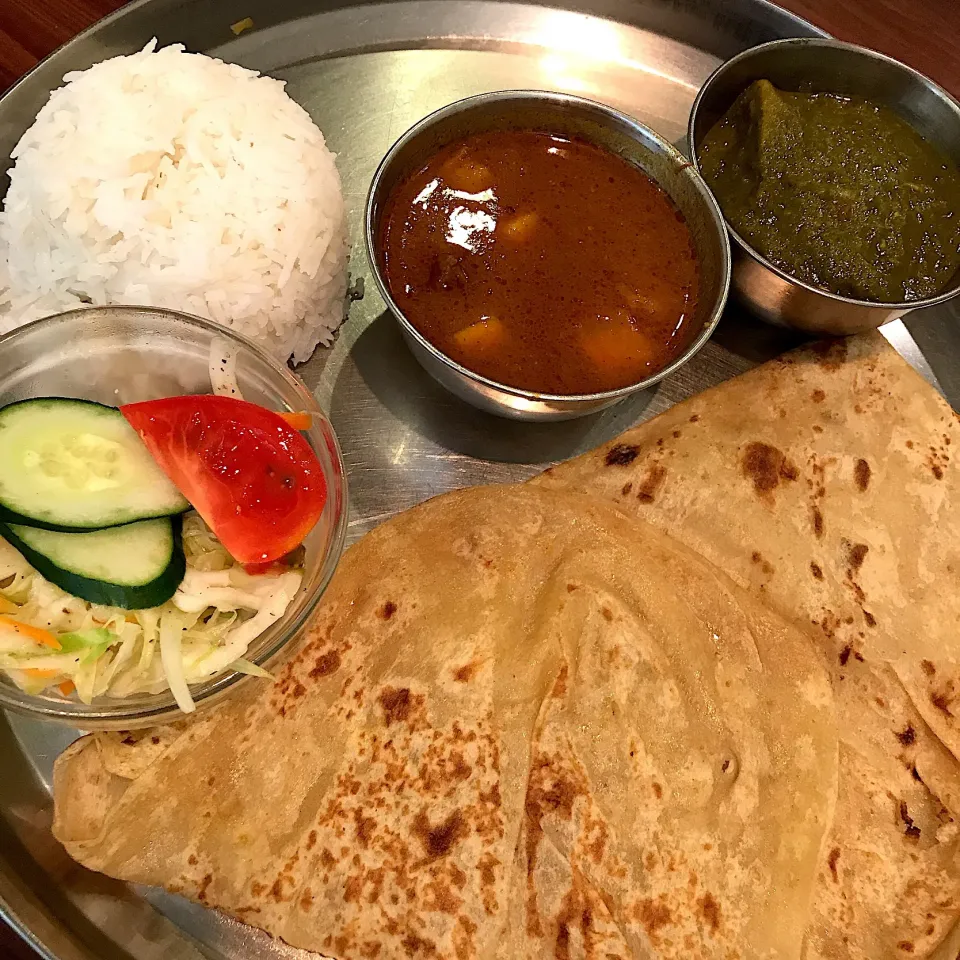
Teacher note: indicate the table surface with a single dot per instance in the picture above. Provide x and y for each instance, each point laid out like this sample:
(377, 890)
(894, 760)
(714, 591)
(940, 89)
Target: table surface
(923, 33)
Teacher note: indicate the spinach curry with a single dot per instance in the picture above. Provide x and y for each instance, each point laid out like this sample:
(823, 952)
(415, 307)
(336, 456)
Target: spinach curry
(836, 191)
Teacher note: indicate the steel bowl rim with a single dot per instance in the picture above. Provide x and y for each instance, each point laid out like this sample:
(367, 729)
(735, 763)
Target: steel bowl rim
(903, 306)
(675, 156)
(112, 714)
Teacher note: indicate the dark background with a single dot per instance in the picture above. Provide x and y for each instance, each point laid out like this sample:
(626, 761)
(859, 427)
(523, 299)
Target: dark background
(923, 33)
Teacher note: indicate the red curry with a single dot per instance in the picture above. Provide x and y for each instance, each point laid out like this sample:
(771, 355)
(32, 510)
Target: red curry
(542, 262)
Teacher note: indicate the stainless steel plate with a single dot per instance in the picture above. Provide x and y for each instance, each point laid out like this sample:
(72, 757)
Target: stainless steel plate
(366, 72)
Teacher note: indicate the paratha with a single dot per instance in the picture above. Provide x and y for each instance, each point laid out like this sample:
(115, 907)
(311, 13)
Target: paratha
(825, 482)
(522, 725)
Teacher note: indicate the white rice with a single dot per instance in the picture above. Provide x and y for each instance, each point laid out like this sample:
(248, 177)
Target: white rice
(172, 179)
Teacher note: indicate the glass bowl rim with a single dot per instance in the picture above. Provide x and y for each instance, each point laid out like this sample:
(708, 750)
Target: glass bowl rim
(106, 714)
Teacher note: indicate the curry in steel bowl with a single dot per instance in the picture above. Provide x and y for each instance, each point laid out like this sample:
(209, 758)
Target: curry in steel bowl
(542, 261)
(838, 191)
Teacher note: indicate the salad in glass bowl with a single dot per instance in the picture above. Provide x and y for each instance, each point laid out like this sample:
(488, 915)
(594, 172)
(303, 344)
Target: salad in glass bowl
(154, 549)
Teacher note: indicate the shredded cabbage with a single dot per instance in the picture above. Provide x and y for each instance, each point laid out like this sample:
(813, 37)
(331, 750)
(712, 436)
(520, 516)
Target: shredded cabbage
(203, 630)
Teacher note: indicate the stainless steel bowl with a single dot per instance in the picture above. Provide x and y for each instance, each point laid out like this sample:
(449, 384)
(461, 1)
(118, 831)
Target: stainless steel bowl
(823, 66)
(568, 116)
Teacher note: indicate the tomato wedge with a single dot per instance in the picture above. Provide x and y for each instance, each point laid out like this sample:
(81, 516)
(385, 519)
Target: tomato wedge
(252, 477)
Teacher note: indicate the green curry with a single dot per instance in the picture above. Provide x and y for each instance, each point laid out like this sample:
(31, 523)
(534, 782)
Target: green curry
(836, 191)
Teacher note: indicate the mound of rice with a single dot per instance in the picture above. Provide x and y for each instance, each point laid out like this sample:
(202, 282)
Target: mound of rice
(172, 179)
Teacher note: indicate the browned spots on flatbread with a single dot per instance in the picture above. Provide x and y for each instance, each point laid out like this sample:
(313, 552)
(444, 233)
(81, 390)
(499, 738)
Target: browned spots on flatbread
(599, 842)
(396, 704)
(442, 899)
(607, 614)
(870, 619)
(928, 668)
(571, 587)
(192, 860)
(461, 770)
(765, 466)
(596, 847)
(906, 946)
(325, 664)
(910, 831)
(352, 889)
(365, 827)
(830, 354)
(388, 610)
(487, 867)
(622, 455)
(312, 840)
(654, 915)
(657, 790)
(573, 912)
(818, 396)
(856, 554)
(861, 474)
(845, 654)
(439, 840)
(829, 624)
(937, 460)
(626, 488)
(940, 701)
(695, 418)
(327, 859)
(710, 910)
(651, 483)
(909, 444)
(467, 672)
(816, 570)
(676, 434)
(202, 889)
(414, 946)
(832, 863)
(549, 790)
(907, 736)
(241, 911)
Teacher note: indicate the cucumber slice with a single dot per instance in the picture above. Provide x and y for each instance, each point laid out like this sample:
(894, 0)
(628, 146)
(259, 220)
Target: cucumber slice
(77, 465)
(135, 566)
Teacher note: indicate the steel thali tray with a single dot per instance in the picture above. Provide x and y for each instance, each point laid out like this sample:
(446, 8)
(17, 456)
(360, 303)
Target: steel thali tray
(366, 72)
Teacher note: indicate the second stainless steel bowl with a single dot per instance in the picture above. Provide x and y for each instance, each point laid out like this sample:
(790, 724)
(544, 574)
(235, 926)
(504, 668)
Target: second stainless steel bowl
(566, 116)
(820, 65)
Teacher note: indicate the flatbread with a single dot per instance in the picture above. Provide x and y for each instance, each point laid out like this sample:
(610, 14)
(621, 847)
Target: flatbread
(824, 482)
(522, 725)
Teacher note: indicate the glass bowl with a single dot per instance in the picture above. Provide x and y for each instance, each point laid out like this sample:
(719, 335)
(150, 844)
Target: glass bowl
(118, 355)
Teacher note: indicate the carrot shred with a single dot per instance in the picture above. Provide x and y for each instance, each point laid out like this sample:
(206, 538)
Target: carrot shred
(34, 674)
(298, 420)
(67, 687)
(37, 634)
